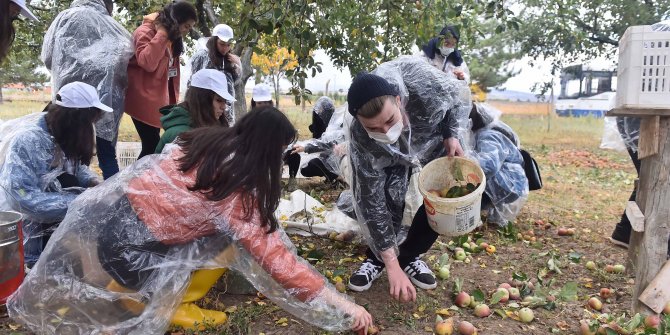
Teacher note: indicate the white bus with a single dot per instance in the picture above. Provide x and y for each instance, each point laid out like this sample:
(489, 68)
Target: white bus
(586, 91)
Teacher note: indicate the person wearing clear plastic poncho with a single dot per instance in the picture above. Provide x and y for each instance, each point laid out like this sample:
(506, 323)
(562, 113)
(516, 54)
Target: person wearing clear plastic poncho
(218, 55)
(629, 128)
(442, 53)
(84, 43)
(43, 166)
(496, 148)
(327, 131)
(406, 113)
(121, 262)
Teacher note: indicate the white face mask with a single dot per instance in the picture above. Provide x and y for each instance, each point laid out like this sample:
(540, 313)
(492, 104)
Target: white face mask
(446, 51)
(390, 137)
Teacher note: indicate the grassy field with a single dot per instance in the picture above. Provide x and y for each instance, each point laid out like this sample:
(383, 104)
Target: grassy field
(532, 124)
(17, 108)
(585, 188)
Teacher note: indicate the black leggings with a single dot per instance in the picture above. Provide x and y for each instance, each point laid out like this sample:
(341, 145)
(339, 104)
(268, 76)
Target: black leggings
(419, 240)
(149, 135)
(316, 168)
(293, 162)
(130, 254)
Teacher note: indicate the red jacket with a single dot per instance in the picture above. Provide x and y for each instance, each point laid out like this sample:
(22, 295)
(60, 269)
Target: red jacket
(175, 215)
(148, 74)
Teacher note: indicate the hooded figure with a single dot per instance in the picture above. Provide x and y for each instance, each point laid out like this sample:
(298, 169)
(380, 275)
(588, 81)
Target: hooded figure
(496, 148)
(84, 43)
(327, 131)
(442, 52)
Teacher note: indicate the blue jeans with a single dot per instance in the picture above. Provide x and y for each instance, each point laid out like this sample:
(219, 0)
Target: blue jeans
(35, 238)
(106, 157)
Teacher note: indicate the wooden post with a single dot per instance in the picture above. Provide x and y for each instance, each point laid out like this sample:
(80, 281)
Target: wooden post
(650, 248)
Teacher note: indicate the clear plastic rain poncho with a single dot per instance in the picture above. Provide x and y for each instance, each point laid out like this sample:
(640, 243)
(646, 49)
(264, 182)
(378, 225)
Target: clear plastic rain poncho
(496, 148)
(29, 167)
(322, 148)
(436, 107)
(121, 259)
(84, 43)
(200, 60)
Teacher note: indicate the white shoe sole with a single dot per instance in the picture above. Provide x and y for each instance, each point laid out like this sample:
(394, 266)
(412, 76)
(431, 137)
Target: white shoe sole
(363, 288)
(422, 285)
(619, 243)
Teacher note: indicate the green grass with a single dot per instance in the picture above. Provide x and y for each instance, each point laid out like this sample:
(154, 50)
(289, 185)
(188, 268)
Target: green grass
(561, 131)
(14, 109)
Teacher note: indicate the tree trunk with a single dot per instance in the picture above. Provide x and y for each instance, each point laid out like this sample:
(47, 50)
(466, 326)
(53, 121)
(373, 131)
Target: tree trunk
(247, 71)
(1, 99)
(275, 83)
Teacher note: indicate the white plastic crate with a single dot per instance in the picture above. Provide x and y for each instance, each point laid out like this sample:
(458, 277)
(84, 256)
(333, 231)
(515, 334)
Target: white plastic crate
(127, 152)
(644, 69)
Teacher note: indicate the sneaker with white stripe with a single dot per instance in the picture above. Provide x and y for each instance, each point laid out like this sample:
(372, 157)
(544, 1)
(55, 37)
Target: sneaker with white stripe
(420, 274)
(362, 279)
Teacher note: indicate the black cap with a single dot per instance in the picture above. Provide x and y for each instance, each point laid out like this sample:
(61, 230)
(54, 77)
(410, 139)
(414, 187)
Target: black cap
(365, 87)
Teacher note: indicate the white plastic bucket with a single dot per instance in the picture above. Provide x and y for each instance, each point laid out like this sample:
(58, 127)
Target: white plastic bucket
(452, 216)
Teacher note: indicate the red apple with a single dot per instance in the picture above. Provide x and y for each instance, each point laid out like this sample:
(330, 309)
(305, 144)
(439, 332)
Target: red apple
(463, 299)
(605, 293)
(505, 298)
(466, 328)
(505, 286)
(482, 311)
(652, 321)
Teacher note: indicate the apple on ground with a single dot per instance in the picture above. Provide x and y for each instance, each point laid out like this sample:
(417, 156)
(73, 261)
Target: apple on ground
(652, 321)
(482, 310)
(526, 315)
(466, 328)
(595, 303)
(463, 299)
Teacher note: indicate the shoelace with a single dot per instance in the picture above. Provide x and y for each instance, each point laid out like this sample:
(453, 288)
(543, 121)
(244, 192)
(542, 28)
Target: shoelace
(420, 266)
(367, 269)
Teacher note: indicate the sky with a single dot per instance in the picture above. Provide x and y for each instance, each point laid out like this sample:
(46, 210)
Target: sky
(522, 82)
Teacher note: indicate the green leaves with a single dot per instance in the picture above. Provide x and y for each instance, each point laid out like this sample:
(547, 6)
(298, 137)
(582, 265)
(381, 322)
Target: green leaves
(568, 292)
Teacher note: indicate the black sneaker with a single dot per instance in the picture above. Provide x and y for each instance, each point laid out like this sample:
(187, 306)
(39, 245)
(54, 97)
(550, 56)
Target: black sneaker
(621, 234)
(366, 274)
(420, 274)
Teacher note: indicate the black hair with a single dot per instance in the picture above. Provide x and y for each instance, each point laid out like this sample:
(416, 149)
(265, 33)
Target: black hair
(219, 61)
(198, 103)
(246, 158)
(173, 15)
(72, 128)
(7, 30)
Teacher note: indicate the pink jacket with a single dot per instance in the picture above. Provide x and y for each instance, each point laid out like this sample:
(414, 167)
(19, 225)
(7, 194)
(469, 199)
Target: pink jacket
(148, 74)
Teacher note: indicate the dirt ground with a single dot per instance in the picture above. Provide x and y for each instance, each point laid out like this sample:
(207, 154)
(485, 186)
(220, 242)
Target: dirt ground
(585, 188)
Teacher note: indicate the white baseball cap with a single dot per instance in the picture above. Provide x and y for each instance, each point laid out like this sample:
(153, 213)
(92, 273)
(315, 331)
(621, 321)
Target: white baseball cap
(213, 80)
(80, 95)
(24, 9)
(224, 32)
(261, 93)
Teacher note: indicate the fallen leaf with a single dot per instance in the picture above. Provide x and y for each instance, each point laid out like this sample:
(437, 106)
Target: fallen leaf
(443, 312)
